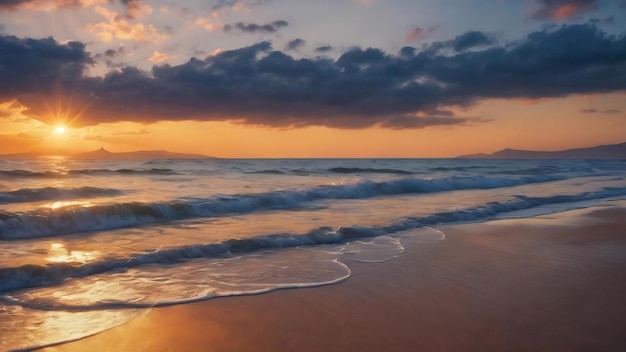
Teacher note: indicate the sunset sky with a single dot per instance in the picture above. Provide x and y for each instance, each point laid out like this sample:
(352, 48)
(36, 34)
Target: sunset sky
(296, 78)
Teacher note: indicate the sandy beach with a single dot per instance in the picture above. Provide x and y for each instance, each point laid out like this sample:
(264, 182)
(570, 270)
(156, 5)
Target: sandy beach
(550, 283)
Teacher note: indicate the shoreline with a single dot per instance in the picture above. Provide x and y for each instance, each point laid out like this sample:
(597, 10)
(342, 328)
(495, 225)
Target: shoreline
(552, 282)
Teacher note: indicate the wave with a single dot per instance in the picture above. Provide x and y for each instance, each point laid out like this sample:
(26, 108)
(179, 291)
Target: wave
(152, 171)
(458, 168)
(54, 193)
(52, 222)
(40, 275)
(332, 170)
(31, 174)
(82, 172)
(358, 170)
(267, 172)
(546, 170)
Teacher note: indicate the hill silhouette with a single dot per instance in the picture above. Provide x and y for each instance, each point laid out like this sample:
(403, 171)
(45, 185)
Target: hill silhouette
(140, 154)
(610, 151)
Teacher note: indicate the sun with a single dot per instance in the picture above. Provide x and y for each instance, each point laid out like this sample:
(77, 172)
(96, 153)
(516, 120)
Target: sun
(59, 130)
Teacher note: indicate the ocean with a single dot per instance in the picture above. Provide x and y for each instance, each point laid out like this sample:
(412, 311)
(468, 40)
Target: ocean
(90, 244)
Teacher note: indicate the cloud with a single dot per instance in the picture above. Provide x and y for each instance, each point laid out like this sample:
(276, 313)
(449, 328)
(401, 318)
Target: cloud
(608, 20)
(464, 42)
(11, 5)
(294, 44)
(123, 27)
(209, 24)
(28, 65)
(596, 111)
(224, 3)
(109, 55)
(416, 34)
(562, 9)
(471, 40)
(135, 8)
(323, 49)
(237, 4)
(256, 28)
(158, 57)
(15, 5)
(362, 88)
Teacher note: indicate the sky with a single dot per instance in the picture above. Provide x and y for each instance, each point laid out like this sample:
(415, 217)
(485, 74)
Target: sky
(296, 78)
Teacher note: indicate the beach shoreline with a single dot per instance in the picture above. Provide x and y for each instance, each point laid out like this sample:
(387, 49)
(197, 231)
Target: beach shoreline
(553, 282)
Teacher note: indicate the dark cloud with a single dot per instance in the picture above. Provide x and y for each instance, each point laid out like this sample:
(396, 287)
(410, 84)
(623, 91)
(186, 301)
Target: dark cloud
(10, 5)
(562, 9)
(464, 42)
(256, 28)
(223, 3)
(596, 111)
(362, 88)
(323, 49)
(407, 51)
(13, 5)
(471, 40)
(29, 65)
(294, 44)
(220, 4)
(608, 20)
(109, 55)
(406, 122)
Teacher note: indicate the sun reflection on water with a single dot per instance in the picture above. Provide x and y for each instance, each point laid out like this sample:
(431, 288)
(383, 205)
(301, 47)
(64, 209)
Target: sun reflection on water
(58, 253)
(67, 203)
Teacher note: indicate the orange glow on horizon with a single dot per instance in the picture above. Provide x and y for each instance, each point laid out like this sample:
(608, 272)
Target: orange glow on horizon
(499, 124)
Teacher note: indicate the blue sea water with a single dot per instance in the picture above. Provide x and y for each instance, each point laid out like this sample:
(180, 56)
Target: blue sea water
(89, 244)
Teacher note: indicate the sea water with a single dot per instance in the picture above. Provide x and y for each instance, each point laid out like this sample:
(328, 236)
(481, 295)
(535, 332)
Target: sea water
(89, 244)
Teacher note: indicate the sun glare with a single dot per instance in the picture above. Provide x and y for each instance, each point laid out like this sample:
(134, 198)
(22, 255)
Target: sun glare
(59, 130)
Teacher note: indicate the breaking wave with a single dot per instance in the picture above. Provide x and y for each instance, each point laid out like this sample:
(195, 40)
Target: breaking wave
(70, 219)
(54, 193)
(40, 275)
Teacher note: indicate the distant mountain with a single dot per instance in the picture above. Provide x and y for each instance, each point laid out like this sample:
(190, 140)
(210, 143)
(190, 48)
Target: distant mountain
(105, 154)
(141, 154)
(611, 151)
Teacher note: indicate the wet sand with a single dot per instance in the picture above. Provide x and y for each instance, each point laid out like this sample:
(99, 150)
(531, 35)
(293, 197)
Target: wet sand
(552, 283)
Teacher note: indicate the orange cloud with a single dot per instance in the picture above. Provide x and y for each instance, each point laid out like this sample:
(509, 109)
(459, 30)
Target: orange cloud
(208, 24)
(562, 9)
(238, 6)
(121, 27)
(158, 57)
(136, 8)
